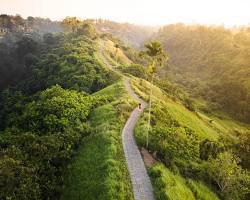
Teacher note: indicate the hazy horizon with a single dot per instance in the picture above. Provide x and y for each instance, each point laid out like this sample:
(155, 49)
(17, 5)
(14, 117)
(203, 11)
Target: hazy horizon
(159, 12)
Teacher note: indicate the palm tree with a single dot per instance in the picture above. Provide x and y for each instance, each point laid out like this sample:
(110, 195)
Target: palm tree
(156, 56)
(117, 46)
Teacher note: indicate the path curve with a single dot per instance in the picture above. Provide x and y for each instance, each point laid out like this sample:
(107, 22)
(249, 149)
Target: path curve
(142, 187)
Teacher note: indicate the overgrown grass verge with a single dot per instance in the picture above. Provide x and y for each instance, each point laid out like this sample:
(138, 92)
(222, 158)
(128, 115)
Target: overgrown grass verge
(169, 186)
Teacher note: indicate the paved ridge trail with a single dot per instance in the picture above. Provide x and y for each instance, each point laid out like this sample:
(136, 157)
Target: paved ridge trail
(142, 187)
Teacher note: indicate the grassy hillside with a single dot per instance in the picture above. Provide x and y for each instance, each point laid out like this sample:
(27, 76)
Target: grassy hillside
(176, 110)
(186, 142)
(174, 187)
(114, 53)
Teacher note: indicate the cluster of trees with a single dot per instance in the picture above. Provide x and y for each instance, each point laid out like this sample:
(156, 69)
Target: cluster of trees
(39, 141)
(85, 27)
(9, 23)
(72, 65)
(42, 123)
(211, 62)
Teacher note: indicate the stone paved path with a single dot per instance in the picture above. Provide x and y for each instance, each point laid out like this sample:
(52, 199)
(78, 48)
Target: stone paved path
(142, 187)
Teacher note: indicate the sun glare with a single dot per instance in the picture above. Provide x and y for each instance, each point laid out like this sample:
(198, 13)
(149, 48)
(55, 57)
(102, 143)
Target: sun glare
(148, 12)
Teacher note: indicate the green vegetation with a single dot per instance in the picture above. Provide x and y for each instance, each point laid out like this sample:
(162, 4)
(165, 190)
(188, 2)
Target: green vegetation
(72, 65)
(39, 142)
(112, 49)
(135, 70)
(187, 144)
(232, 180)
(99, 166)
(173, 187)
(191, 120)
(200, 191)
(175, 109)
(62, 109)
(48, 118)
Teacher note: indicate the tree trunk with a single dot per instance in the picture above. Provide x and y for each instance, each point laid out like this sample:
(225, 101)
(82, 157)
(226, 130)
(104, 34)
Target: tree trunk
(149, 109)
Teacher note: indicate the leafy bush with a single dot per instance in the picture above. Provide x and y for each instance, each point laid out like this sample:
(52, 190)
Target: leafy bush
(39, 143)
(55, 111)
(232, 180)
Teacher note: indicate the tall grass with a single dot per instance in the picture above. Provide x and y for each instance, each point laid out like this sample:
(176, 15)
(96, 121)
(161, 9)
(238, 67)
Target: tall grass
(170, 186)
(201, 191)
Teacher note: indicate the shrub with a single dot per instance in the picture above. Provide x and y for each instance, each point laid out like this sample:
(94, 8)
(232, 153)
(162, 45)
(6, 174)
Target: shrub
(232, 180)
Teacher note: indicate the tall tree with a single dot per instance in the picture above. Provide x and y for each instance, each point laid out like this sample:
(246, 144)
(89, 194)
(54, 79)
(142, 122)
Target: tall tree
(156, 57)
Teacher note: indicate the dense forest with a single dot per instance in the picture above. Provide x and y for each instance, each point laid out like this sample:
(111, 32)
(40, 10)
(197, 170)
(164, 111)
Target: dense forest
(62, 109)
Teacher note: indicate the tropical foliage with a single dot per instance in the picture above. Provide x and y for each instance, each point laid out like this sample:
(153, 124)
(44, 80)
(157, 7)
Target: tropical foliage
(62, 109)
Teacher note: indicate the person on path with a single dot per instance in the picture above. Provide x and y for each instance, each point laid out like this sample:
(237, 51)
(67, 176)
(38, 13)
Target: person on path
(140, 106)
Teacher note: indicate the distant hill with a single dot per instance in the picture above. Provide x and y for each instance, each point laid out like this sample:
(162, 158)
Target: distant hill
(212, 62)
(134, 35)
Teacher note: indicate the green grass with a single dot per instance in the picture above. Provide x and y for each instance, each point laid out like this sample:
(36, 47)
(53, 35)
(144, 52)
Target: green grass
(199, 122)
(113, 91)
(228, 125)
(112, 54)
(170, 186)
(191, 120)
(201, 191)
(99, 170)
(176, 110)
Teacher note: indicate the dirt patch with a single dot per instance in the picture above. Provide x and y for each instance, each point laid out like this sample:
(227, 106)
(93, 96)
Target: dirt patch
(148, 158)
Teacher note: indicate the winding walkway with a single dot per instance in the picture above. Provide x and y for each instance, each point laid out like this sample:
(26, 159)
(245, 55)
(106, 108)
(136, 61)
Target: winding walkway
(142, 187)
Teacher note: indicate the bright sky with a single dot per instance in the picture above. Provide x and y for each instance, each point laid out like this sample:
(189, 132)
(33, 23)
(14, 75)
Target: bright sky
(148, 12)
